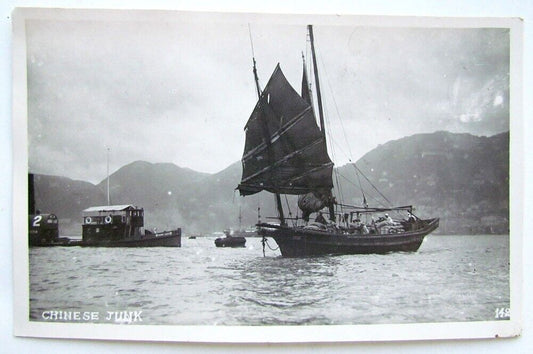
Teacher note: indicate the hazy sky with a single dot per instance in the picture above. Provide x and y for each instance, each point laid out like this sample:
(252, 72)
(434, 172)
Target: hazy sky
(181, 90)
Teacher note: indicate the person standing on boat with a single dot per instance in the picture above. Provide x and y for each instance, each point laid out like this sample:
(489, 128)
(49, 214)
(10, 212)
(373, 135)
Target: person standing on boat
(346, 219)
(410, 223)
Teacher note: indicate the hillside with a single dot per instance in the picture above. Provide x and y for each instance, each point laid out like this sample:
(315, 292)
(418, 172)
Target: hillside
(66, 198)
(461, 178)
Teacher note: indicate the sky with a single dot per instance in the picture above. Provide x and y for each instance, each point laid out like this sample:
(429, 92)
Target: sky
(180, 89)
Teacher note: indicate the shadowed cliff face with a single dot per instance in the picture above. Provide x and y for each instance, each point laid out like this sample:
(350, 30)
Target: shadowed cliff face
(461, 178)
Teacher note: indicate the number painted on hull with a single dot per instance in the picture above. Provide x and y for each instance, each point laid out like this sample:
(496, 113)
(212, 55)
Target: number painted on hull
(37, 221)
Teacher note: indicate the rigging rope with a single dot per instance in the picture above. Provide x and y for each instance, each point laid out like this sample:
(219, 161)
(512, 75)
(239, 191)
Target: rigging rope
(376, 200)
(377, 190)
(264, 242)
(332, 93)
(338, 112)
(330, 135)
(365, 204)
(333, 144)
(289, 208)
(272, 249)
(348, 143)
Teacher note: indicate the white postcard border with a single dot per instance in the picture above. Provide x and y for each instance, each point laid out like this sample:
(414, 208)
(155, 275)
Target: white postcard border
(262, 334)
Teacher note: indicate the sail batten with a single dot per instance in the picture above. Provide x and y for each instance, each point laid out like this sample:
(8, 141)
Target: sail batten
(328, 166)
(286, 158)
(292, 122)
(285, 151)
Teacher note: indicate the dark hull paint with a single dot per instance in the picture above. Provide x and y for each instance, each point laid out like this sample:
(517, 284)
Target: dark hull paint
(299, 242)
(173, 240)
(234, 241)
(60, 241)
(169, 239)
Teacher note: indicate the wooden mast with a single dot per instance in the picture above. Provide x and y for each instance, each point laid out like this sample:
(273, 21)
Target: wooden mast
(317, 82)
(331, 206)
(277, 197)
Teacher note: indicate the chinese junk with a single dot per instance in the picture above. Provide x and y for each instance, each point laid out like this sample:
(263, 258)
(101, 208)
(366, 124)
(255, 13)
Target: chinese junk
(121, 226)
(286, 153)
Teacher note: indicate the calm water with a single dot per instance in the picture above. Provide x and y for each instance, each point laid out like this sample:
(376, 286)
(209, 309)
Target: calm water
(451, 278)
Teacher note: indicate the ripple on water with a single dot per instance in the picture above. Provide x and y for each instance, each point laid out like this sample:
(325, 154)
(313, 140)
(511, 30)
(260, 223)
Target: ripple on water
(201, 284)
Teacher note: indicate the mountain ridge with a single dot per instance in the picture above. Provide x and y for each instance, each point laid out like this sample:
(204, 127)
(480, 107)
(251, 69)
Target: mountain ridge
(462, 178)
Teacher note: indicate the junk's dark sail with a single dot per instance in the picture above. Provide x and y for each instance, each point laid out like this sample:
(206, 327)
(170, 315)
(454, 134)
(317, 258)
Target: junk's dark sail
(305, 87)
(285, 151)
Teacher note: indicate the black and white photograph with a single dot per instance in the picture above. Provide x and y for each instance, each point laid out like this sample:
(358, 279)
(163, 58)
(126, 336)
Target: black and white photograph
(240, 177)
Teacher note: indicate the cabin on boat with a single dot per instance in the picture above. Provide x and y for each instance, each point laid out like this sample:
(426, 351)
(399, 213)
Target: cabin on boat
(112, 222)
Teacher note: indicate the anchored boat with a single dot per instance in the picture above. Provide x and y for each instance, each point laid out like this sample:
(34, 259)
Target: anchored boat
(122, 226)
(44, 231)
(43, 228)
(230, 240)
(286, 153)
